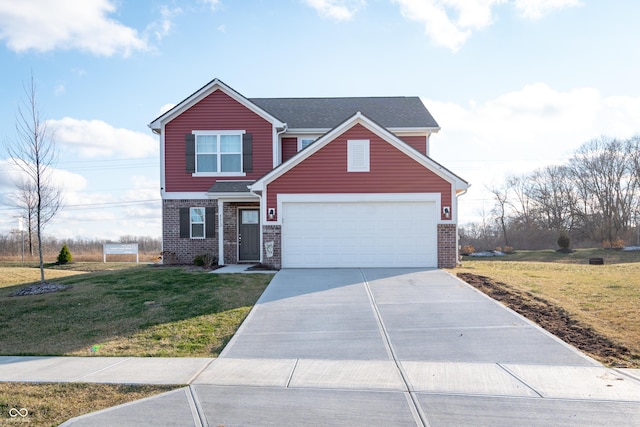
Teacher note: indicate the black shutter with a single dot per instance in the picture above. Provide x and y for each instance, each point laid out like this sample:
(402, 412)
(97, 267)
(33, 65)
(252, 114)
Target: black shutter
(190, 152)
(185, 223)
(210, 222)
(247, 152)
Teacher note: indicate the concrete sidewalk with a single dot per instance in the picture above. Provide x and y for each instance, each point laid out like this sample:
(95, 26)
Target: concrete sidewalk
(364, 348)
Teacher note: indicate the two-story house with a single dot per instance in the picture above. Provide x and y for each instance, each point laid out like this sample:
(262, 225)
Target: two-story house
(305, 182)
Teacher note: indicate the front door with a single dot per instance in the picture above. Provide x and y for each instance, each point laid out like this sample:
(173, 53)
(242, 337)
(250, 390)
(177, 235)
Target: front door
(249, 235)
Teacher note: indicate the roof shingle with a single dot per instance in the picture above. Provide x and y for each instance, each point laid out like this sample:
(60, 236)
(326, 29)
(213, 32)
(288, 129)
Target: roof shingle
(326, 113)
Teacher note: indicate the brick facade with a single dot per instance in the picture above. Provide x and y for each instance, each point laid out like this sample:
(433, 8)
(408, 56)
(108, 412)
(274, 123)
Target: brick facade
(447, 246)
(272, 233)
(177, 250)
(230, 218)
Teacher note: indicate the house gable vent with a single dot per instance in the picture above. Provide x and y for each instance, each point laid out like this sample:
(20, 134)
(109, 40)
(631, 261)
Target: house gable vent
(358, 155)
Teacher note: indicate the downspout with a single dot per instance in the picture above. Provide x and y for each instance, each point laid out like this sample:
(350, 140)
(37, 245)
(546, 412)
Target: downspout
(262, 211)
(278, 159)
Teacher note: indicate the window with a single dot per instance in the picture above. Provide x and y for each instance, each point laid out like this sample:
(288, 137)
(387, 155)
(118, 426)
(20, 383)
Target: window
(197, 223)
(197, 216)
(218, 152)
(305, 141)
(358, 155)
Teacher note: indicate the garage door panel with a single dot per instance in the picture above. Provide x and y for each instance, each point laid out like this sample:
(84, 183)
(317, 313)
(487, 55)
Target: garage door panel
(359, 234)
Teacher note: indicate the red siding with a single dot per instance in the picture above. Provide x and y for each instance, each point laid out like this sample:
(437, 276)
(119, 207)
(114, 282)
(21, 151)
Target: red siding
(217, 111)
(391, 171)
(289, 148)
(417, 142)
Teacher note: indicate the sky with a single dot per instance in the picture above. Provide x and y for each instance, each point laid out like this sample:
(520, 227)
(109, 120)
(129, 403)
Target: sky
(515, 85)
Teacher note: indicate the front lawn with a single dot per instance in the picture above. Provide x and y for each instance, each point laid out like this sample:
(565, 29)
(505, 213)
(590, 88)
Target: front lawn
(137, 311)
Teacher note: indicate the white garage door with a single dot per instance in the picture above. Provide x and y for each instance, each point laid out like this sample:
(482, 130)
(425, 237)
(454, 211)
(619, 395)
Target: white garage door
(359, 234)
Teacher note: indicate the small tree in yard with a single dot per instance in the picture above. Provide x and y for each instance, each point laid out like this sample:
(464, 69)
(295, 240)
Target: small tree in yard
(33, 152)
(65, 255)
(564, 242)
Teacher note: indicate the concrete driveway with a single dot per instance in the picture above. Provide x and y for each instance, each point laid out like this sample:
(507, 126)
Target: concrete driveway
(369, 347)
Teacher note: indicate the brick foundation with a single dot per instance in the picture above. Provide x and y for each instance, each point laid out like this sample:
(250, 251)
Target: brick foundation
(447, 246)
(177, 250)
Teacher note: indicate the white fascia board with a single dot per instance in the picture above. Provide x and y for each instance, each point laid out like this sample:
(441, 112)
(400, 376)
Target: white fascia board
(383, 133)
(306, 131)
(234, 197)
(186, 195)
(414, 131)
(427, 162)
(205, 91)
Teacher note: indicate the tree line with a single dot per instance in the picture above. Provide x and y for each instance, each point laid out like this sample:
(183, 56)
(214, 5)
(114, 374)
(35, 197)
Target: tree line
(594, 198)
(11, 245)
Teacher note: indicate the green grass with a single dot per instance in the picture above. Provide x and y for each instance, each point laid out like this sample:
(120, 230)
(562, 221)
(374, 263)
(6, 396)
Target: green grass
(53, 404)
(138, 311)
(605, 297)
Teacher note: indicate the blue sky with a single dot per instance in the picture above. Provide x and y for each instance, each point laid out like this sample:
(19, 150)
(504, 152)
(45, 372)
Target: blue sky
(514, 85)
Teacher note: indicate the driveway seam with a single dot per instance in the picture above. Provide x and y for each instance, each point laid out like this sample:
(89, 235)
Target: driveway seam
(199, 417)
(507, 370)
(414, 406)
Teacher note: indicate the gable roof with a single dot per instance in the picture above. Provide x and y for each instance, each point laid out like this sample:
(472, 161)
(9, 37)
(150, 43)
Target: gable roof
(203, 92)
(327, 113)
(359, 118)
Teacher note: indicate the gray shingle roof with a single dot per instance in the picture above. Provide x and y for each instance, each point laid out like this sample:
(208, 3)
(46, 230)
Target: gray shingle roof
(327, 113)
(230, 187)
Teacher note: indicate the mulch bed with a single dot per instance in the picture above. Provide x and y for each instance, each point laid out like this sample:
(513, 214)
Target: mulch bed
(555, 320)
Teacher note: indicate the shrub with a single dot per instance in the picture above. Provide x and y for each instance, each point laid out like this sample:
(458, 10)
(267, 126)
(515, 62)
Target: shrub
(507, 249)
(65, 255)
(205, 260)
(617, 244)
(564, 241)
(467, 250)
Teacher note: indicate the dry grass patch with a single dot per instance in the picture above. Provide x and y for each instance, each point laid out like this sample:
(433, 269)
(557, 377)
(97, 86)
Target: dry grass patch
(605, 298)
(52, 404)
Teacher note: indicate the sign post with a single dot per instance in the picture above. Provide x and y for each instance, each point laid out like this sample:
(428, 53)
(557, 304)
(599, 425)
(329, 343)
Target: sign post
(119, 249)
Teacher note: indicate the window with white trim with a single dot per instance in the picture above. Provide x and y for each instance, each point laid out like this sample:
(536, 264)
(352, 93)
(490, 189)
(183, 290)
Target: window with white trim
(305, 141)
(197, 224)
(218, 152)
(358, 155)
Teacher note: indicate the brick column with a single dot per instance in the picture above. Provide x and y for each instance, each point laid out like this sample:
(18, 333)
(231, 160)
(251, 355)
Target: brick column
(447, 246)
(272, 233)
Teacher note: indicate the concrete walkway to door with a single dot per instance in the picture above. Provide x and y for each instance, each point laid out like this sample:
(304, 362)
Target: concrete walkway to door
(380, 347)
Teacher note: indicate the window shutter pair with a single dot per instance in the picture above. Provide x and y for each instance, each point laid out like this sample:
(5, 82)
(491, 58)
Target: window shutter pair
(209, 218)
(190, 152)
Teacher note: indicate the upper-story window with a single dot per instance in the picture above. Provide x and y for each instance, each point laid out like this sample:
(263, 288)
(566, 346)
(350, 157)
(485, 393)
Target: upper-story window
(305, 141)
(219, 153)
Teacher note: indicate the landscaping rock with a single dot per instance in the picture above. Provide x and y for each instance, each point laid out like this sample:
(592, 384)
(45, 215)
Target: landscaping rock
(40, 288)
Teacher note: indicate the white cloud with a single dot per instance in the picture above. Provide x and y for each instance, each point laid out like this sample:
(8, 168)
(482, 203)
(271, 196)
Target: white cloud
(449, 23)
(163, 26)
(45, 25)
(339, 10)
(92, 138)
(213, 4)
(536, 9)
(165, 108)
(520, 131)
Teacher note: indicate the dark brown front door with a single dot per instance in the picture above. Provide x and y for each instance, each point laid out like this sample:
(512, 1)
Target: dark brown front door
(249, 235)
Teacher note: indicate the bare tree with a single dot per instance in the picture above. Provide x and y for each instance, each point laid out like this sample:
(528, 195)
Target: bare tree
(24, 198)
(34, 152)
(500, 210)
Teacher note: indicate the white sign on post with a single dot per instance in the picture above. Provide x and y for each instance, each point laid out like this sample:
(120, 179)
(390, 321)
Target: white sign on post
(119, 249)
